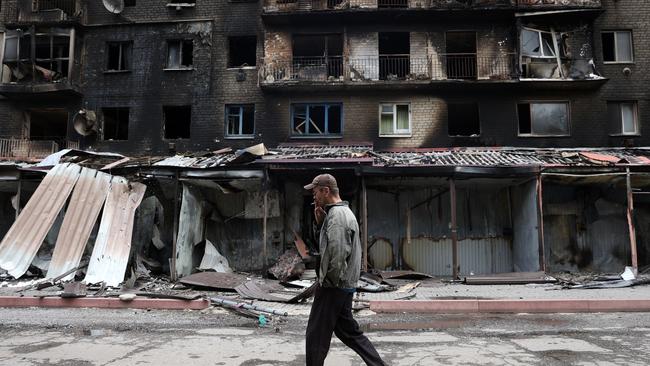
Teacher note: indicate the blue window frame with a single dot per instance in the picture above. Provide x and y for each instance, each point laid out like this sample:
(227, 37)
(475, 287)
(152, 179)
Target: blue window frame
(317, 119)
(240, 120)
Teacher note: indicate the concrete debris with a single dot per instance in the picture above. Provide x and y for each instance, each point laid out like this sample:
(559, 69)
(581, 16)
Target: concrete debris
(512, 278)
(289, 266)
(215, 280)
(213, 260)
(250, 290)
(234, 304)
(73, 290)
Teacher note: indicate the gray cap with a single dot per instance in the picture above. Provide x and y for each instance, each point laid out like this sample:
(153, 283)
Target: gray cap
(323, 180)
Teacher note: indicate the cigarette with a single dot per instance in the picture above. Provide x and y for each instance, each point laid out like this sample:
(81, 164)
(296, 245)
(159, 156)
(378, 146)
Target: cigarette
(313, 203)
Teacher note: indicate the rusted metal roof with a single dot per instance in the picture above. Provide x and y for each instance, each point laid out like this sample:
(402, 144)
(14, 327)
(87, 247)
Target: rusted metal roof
(85, 204)
(112, 247)
(24, 238)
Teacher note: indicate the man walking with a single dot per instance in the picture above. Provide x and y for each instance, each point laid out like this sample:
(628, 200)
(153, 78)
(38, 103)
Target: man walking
(340, 264)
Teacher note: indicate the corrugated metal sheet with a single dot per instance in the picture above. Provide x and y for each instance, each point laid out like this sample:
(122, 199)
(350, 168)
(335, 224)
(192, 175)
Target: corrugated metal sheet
(432, 256)
(111, 252)
(191, 225)
(485, 255)
(19, 246)
(381, 254)
(85, 204)
(480, 256)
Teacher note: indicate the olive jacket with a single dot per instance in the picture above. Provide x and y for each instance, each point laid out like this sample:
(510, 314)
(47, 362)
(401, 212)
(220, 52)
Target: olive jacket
(339, 247)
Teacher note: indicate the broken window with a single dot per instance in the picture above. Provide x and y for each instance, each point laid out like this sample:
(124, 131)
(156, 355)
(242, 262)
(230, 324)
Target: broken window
(318, 56)
(316, 119)
(116, 123)
(461, 55)
(394, 119)
(48, 124)
(129, 3)
(119, 56)
(623, 118)
(36, 57)
(242, 51)
(543, 119)
(617, 46)
(179, 54)
(536, 43)
(394, 55)
(463, 119)
(240, 120)
(177, 121)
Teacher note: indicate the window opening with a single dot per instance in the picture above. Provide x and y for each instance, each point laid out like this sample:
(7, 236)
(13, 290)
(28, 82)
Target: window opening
(179, 54)
(240, 120)
(48, 61)
(177, 121)
(461, 55)
(463, 119)
(119, 56)
(394, 55)
(394, 119)
(116, 123)
(543, 119)
(617, 46)
(318, 56)
(623, 117)
(316, 119)
(48, 124)
(242, 51)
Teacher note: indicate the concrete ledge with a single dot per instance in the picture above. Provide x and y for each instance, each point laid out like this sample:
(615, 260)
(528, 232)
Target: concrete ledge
(509, 306)
(106, 303)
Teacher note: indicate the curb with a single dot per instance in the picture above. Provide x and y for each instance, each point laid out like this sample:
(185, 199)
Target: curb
(509, 306)
(104, 303)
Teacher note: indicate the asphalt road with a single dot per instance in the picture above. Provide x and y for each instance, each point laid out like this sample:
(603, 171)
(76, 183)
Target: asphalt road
(73, 337)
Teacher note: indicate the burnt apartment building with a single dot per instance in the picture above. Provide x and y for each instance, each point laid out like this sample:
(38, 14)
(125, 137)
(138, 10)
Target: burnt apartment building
(472, 136)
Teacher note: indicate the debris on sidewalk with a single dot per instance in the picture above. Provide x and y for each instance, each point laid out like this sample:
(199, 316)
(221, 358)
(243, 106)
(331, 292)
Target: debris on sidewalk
(215, 280)
(510, 278)
(289, 266)
(74, 290)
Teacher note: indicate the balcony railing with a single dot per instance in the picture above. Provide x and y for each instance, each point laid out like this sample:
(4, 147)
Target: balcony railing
(397, 68)
(308, 5)
(11, 148)
(48, 11)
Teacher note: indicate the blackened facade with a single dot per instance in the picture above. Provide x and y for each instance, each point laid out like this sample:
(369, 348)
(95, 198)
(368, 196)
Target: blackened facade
(398, 74)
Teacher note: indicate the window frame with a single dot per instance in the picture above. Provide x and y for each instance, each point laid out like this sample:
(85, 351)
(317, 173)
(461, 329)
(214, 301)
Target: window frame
(614, 32)
(541, 45)
(567, 103)
(241, 135)
(180, 66)
(309, 105)
(635, 110)
(396, 132)
(121, 44)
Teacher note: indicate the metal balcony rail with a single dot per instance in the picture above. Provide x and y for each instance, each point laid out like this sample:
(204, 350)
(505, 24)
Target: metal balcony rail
(67, 6)
(291, 5)
(392, 3)
(392, 68)
(13, 148)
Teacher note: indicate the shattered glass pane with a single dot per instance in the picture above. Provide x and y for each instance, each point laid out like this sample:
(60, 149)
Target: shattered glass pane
(299, 119)
(550, 118)
(334, 119)
(248, 120)
(530, 43)
(623, 47)
(547, 44)
(317, 120)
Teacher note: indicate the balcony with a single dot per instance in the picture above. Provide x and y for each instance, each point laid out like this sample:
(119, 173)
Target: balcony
(389, 69)
(23, 149)
(49, 11)
(284, 6)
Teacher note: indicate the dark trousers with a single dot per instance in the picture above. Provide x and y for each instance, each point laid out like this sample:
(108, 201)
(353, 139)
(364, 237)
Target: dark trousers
(332, 312)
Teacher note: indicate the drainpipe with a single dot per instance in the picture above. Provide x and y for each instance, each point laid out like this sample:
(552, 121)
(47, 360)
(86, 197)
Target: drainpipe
(630, 222)
(454, 229)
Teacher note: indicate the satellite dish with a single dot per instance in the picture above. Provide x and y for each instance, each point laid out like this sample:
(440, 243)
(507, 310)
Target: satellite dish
(114, 6)
(85, 122)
